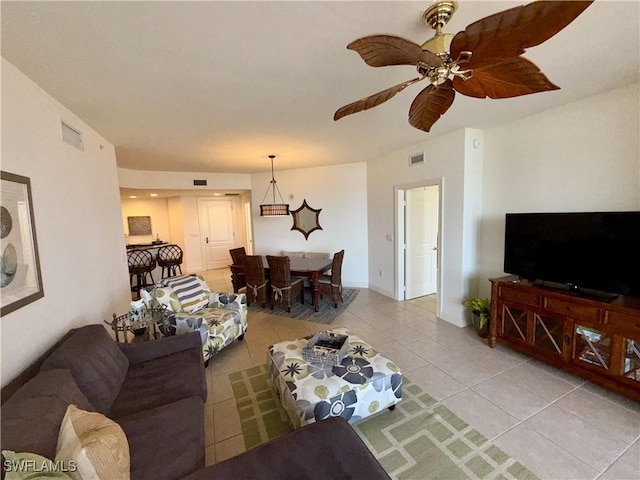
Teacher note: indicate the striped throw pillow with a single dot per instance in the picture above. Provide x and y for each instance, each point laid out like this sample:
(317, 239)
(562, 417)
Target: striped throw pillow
(189, 291)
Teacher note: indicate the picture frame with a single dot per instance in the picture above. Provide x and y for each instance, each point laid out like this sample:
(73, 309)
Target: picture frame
(20, 275)
(139, 225)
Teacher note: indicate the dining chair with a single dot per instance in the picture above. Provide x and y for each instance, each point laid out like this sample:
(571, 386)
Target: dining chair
(238, 255)
(169, 257)
(141, 263)
(284, 288)
(238, 275)
(332, 285)
(257, 284)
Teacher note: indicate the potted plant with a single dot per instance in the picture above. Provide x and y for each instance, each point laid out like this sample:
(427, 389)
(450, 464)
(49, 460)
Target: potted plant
(481, 314)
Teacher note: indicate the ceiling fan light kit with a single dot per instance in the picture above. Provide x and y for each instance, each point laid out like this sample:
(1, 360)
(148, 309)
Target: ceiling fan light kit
(273, 209)
(482, 61)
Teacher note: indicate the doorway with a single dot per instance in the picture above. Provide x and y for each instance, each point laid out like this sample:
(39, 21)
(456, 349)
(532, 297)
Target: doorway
(421, 240)
(217, 231)
(248, 226)
(418, 227)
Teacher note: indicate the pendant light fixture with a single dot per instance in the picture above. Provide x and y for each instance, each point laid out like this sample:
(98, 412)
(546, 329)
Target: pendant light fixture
(273, 209)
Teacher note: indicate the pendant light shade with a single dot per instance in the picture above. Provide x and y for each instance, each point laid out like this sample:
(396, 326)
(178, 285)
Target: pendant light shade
(273, 209)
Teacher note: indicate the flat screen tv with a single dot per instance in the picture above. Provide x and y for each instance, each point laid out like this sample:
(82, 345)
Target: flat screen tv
(591, 253)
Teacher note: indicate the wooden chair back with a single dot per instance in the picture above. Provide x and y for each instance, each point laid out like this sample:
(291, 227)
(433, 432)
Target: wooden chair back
(238, 255)
(256, 281)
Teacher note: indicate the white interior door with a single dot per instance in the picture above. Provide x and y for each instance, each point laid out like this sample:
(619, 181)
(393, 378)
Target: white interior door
(421, 239)
(217, 231)
(248, 228)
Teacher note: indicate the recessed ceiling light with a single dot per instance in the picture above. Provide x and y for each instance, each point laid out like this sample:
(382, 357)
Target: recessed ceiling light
(217, 194)
(153, 194)
(133, 196)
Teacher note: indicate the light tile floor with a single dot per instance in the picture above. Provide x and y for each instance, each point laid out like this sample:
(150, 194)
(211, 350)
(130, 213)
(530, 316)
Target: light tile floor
(558, 425)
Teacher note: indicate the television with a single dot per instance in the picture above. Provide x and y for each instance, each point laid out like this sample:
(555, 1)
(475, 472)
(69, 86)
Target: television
(593, 253)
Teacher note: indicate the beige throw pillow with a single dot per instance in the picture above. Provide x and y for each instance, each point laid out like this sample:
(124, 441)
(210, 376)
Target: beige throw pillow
(96, 444)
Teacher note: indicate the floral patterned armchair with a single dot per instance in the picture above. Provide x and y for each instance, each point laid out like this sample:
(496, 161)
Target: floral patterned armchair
(221, 318)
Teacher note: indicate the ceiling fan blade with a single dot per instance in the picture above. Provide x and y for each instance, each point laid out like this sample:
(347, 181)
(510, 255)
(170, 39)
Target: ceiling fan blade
(509, 33)
(509, 78)
(373, 100)
(385, 50)
(430, 104)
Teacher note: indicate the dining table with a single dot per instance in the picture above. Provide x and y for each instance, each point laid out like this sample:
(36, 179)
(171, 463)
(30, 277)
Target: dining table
(310, 268)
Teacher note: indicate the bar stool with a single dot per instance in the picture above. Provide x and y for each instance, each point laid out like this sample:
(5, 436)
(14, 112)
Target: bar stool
(170, 258)
(141, 264)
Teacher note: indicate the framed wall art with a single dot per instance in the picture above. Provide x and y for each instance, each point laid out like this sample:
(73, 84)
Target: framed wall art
(20, 277)
(139, 225)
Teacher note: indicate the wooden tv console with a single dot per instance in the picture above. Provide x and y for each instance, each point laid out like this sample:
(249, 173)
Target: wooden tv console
(596, 339)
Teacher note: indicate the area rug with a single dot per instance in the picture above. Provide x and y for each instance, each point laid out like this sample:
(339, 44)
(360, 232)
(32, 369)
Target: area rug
(326, 314)
(420, 440)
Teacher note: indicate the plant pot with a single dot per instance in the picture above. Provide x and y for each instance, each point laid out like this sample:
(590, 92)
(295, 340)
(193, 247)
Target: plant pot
(482, 332)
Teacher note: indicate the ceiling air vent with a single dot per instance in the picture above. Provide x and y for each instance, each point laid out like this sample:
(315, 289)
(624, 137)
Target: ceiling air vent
(71, 136)
(416, 159)
(199, 183)
(231, 194)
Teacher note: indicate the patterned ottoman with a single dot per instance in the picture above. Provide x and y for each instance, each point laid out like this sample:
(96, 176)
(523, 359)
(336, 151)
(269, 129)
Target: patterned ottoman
(363, 384)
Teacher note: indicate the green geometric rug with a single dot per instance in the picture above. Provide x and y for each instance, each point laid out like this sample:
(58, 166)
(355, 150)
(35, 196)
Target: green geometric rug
(420, 440)
(326, 313)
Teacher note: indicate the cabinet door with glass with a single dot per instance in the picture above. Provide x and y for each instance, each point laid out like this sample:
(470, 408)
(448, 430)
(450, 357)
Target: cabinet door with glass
(514, 323)
(549, 335)
(592, 348)
(631, 359)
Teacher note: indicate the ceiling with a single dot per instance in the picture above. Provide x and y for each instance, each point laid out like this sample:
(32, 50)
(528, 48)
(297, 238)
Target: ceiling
(218, 86)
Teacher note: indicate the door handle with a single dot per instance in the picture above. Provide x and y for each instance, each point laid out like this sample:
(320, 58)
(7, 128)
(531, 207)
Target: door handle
(206, 239)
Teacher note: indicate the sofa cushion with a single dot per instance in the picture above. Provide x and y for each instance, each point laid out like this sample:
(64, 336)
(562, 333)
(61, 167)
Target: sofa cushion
(161, 381)
(324, 255)
(329, 449)
(32, 416)
(97, 364)
(166, 442)
(166, 297)
(293, 254)
(95, 444)
(190, 292)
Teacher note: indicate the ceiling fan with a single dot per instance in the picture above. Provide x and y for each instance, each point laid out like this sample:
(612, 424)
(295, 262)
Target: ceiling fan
(483, 60)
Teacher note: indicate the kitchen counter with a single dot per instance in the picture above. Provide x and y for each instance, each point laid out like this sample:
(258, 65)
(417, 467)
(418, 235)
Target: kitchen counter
(145, 246)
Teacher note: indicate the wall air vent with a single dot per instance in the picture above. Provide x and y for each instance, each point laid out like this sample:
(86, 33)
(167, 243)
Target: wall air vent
(199, 183)
(416, 159)
(71, 136)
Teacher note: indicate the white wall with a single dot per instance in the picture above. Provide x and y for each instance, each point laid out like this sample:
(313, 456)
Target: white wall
(341, 192)
(78, 222)
(580, 157)
(473, 184)
(182, 180)
(446, 159)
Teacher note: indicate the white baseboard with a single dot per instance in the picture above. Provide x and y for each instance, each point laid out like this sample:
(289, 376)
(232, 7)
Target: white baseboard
(384, 292)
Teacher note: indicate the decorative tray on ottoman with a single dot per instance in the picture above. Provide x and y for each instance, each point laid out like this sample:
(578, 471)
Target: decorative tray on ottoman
(326, 348)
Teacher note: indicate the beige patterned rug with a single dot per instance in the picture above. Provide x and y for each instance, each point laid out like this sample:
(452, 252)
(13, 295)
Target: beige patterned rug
(420, 440)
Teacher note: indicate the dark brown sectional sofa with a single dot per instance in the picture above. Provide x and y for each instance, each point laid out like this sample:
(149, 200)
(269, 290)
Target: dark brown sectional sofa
(156, 392)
